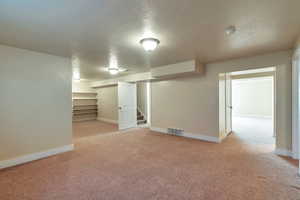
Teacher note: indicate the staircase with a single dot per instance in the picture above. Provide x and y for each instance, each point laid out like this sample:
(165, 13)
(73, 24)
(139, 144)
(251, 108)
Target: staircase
(141, 118)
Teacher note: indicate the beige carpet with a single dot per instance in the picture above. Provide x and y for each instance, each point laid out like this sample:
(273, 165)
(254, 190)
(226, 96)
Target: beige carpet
(92, 128)
(141, 165)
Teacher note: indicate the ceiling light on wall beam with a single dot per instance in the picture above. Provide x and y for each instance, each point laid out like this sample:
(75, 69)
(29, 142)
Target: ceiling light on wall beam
(149, 44)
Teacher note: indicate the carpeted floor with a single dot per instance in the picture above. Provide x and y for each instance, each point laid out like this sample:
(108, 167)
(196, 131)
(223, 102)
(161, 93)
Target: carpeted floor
(92, 128)
(141, 165)
(254, 130)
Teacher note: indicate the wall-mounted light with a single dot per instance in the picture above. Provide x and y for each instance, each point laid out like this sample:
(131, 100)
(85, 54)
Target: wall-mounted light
(149, 44)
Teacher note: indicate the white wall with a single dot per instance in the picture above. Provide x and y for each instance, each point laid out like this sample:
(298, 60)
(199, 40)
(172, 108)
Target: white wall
(36, 105)
(252, 97)
(108, 103)
(191, 103)
(82, 86)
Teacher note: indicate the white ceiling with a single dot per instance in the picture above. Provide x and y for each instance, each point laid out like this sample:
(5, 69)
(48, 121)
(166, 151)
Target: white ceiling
(99, 31)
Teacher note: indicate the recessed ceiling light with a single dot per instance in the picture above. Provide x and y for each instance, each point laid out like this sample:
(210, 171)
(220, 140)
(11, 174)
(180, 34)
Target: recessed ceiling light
(149, 44)
(115, 70)
(230, 30)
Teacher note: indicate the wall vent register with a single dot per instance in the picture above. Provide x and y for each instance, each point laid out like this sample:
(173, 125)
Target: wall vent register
(174, 131)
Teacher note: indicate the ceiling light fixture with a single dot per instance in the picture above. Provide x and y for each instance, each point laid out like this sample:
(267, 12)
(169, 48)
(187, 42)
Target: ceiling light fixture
(149, 44)
(76, 76)
(230, 30)
(115, 70)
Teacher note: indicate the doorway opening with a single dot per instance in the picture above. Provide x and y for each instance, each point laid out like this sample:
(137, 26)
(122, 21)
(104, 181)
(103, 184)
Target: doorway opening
(252, 109)
(133, 104)
(110, 108)
(247, 106)
(142, 103)
(94, 110)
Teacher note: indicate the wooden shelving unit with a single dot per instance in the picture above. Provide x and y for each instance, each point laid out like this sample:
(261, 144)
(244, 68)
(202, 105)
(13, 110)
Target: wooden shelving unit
(84, 106)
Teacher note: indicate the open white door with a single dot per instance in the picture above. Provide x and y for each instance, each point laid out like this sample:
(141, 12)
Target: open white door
(222, 105)
(228, 100)
(225, 105)
(127, 101)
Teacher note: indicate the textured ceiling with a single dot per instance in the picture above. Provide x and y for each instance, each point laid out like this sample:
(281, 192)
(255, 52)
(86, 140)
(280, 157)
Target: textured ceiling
(99, 32)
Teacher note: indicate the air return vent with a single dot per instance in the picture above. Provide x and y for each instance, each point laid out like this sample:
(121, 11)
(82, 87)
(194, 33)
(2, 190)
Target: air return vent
(174, 131)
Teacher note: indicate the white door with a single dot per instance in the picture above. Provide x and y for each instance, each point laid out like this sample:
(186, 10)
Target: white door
(222, 105)
(127, 105)
(228, 100)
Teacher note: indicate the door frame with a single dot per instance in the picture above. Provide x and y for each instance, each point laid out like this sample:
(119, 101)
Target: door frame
(222, 108)
(148, 86)
(228, 103)
(119, 107)
(296, 107)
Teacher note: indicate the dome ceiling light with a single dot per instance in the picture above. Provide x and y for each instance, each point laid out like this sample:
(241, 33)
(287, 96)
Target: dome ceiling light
(76, 76)
(149, 44)
(115, 70)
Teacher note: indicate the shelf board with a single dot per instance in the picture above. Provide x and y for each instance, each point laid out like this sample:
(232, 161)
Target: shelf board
(84, 105)
(87, 119)
(90, 113)
(84, 98)
(86, 109)
(84, 92)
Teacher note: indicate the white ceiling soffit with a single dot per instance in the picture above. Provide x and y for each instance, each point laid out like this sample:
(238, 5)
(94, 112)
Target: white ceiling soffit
(254, 71)
(253, 80)
(99, 32)
(192, 67)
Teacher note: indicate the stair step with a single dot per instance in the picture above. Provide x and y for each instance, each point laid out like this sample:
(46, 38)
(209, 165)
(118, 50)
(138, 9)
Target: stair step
(140, 117)
(142, 121)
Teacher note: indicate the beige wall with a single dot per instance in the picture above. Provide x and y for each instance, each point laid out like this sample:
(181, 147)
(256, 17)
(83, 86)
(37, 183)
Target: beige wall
(142, 97)
(298, 43)
(108, 103)
(191, 103)
(252, 97)
(36, 105)
(82, 86)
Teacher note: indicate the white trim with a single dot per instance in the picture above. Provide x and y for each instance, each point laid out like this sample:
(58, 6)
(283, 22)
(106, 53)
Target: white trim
(295, 156)
(107, 120)
(283, 152)
(252, 116)
(295, 106)
(189, 135)
(35, 156)
(148, 86)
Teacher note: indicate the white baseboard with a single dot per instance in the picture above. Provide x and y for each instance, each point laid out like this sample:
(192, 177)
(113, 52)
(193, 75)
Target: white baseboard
(288, 153)
(296, 156)
(107, 120)
(253, 116)
(189, 135)
(283, 152)
(35, 156)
